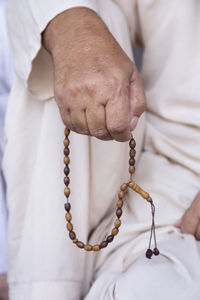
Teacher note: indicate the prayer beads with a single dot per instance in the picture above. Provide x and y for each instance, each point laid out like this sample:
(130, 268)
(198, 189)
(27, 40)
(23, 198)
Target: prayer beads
(119, 205)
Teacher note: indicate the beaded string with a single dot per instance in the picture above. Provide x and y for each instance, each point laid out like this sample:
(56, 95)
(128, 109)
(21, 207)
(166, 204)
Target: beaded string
(123, 189)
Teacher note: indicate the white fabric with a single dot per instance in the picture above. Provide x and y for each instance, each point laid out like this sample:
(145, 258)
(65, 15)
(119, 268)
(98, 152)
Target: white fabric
(6, 76)
(43, 263)
(38, 15)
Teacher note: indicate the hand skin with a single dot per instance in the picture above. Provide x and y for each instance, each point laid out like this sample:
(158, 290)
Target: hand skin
(3, 287)
(97, 87)
(190, 222)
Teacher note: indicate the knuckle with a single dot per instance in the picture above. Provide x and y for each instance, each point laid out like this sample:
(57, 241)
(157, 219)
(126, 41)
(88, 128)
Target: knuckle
(118, 127)
(99, 133)
(82, 131)
(59, 95)
(91, 85)
(117, 78)
(140, 105)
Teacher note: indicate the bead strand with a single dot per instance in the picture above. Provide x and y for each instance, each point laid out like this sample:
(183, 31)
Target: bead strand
(68, 216)
(119, 205)
(132, 153)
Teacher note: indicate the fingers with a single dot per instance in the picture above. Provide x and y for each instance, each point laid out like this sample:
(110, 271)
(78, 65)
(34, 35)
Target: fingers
(66, 117)
(178, 223)
(137, 99)
(79, 122)
(97, 123)
(197, 233)
(189, 222)
(88, 121)
(117, 118)
(105, 109)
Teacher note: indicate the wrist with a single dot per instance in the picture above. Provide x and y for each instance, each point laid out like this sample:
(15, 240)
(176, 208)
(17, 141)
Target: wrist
(71, 27)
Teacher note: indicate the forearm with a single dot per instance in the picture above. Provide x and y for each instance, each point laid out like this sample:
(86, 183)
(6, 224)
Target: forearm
(79, 32)
(92, 76)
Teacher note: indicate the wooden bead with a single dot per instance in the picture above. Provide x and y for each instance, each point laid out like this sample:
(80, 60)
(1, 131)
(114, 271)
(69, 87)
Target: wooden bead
(67, 206)
(66, 170)
(131, 169)
(104, 244)
(72, 235)
(66, 160)
(69, 226)
(132, 143)
(131, 161)
(66, 151)
(66, 142)
(132, 153)
(88, 247)
(115, 231)
(68, 217)
(110, 238)
(120, 203)
(144, 194)
(67, 191)
(132, 185)
(67, 131)
(121, 195)
(123, 187)
(80, 245)
(119, 212)
(117, 223)
(75, 241)
(66, 180)
(96, 248)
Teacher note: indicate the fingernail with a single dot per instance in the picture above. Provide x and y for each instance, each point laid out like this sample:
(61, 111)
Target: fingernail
(178, 223)
(133, 123)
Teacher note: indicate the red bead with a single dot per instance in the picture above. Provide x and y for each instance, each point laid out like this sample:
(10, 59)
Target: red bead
(156, 252)
(149, 253)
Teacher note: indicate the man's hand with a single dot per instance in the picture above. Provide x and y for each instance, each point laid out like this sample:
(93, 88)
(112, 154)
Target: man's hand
(190, 222)
(97, 87)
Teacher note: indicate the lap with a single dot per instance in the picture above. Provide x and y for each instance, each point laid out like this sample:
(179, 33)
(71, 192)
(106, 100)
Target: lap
(127, 274)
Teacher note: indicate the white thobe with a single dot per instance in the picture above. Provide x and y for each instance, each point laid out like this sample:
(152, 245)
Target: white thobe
(6, 77)
(43, 263)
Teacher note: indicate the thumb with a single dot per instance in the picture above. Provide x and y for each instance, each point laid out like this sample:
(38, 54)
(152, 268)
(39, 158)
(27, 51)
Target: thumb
(137, 99)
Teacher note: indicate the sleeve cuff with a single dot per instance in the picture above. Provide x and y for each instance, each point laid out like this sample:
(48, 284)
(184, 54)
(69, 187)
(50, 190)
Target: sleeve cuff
(26, 21)
(43, 15)
(40, 69)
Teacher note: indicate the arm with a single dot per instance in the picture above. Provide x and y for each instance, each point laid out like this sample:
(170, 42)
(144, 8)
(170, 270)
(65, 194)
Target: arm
(97, 87)
(94, 79)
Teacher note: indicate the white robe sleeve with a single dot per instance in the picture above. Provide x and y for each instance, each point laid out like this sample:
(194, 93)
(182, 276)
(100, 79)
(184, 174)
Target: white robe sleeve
(26, 21)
